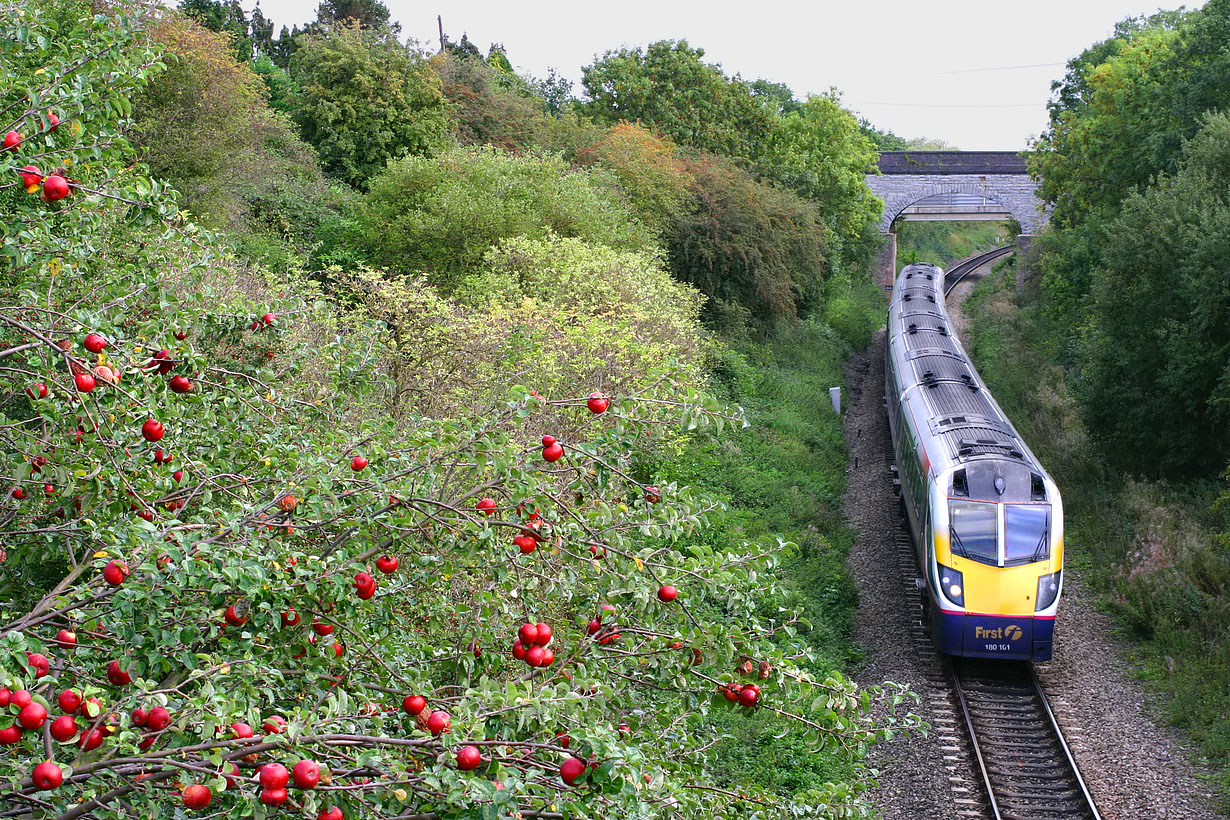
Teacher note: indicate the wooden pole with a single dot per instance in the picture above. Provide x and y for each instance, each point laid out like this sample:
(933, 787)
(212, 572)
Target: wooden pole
(440, 24)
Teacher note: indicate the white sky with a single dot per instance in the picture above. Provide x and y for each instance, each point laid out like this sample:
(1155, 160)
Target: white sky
(888, 58)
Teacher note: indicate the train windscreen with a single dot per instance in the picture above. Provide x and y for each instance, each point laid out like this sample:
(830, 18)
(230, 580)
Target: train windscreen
(973, 528)
(1026, 527)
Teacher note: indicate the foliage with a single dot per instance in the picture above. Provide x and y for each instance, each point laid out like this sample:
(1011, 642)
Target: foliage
(545, 312)
(486, 107)
(439, 216)
(821, 153)
(366, 13)
(1159, 329)
(755, 250)
(1156, 551)
(671, 91)
(205, 128)
(227, 17)
(364, 99)
(245, 503)
(942, 243)
(650, 171)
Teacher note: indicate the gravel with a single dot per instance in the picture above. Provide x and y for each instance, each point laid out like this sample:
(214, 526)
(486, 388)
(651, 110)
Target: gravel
(1134, 768)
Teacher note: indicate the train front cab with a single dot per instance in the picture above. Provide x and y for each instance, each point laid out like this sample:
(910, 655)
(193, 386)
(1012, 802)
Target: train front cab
(989, 597)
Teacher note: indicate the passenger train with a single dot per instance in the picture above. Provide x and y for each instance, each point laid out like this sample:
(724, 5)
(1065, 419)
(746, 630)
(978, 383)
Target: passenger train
(986, 519)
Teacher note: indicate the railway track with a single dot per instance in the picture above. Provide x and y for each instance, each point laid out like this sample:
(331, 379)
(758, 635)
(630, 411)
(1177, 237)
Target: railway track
(1027, 770)
(962, 269)
(1004, 750)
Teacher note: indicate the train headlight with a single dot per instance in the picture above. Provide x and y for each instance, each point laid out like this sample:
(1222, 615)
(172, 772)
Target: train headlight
(952, 584)
(1048, 590)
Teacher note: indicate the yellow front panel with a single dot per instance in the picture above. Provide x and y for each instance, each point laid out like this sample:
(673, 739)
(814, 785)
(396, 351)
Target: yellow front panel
(999, 590)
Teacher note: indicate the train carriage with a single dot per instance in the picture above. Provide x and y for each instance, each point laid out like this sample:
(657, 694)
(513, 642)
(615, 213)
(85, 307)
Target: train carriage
(986, 519)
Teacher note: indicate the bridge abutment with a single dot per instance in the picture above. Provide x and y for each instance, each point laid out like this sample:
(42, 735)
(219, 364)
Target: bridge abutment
(886, 263)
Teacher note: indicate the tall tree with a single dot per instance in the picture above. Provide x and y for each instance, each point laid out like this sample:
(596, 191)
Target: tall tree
(669, 89)
(364, 98)
(368, 13)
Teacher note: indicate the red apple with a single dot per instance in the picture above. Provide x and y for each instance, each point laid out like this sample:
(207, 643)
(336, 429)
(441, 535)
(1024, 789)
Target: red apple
(117, 674)
(69, 700)
(749, 696)
(30, 176)
(274, 776)
(653, 495)
(241, 731)
(564, 740)
(544, 634)
(306, 774)
(386, 564)
(571, 769)
(273, 797)
(18, 493)
(38, 390)
(139, 717)
(528, 633)
(534, 655)
(47, 776)
(233, 618)
(331, 813)
(10, 735)
(525, 543)
(159, 719)
(53, 122)
(274, 725)
(85, 382)
(32, 716)
(38, 664)
(196, 796)
(414, 704)
(364, 580)
(290, 617)
(438, 722)
(322, 628)
(358, 463)
(115, 572)
(152, 430)
(64, 728)
(268, 318)
(551, 449)
(177, 476)
(55, 188)
(597, 403)
(548, 656)
(94, 343)
(90, 740)
(180, 384)
(486, 506)
(20, 699)
(469, 758)
(66, 638)
(518, 650)
(11, 140)
(667, 593)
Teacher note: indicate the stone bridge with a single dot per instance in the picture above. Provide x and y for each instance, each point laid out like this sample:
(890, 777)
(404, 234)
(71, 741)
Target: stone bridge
(956, 185)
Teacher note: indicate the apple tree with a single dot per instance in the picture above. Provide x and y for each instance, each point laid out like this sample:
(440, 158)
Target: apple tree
(233, 587)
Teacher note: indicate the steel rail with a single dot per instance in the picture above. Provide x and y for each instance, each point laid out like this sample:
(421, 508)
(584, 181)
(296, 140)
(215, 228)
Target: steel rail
(962, 269)
(999, 785)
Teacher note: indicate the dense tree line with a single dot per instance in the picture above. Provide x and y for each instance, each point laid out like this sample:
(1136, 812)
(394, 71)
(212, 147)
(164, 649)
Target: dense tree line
(364, 101)
(1134, 272)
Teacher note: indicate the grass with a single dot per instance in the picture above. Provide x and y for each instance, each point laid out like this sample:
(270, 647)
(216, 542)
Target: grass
(1157, 553)
(785, 475)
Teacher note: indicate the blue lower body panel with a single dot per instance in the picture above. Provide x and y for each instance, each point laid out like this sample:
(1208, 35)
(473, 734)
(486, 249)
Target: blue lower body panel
(1020, 637)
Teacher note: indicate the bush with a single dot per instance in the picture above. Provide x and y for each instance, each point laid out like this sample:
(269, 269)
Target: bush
(650, 171)
(748, 244)
(439, 216)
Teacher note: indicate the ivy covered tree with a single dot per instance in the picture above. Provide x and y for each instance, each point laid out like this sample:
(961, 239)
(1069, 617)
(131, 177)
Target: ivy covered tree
(365, 98)
(669, 89)
(230, 583)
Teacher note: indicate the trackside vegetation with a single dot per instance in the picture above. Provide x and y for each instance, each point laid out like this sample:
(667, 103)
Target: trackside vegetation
(452, 451)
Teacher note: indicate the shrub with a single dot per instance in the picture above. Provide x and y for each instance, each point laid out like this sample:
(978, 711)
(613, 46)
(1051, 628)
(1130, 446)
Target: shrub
(439, 216)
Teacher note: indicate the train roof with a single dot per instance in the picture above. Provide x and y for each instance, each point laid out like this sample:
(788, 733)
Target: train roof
(957, 410)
